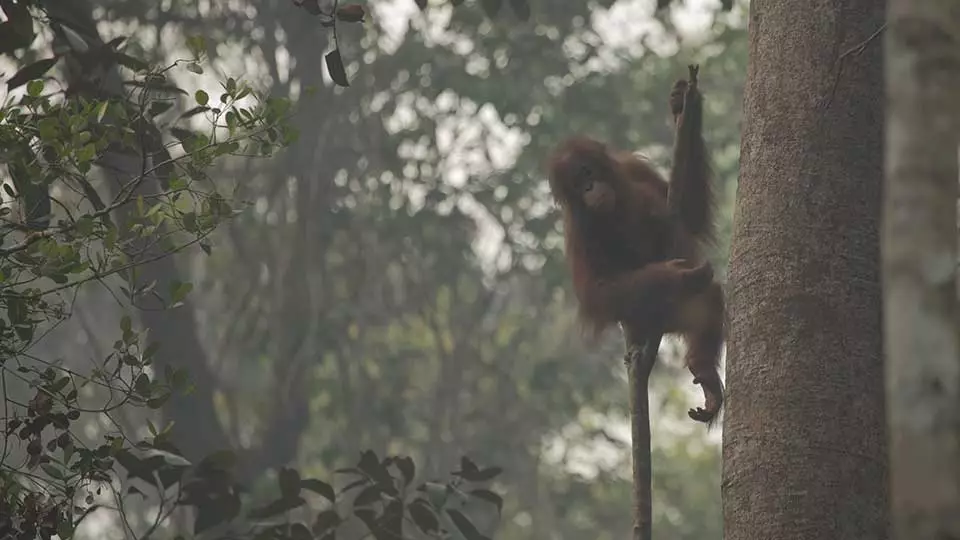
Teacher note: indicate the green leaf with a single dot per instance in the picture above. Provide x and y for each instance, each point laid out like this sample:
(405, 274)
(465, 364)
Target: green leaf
(231, 118)
(476, 475)
(138, 466)
(159, 107)
(157, 402)
(179, 290)
(194, 111)
(326, 521)
(35, 87)
(490, 497)
(76, 41)
(210, 515)
(30, 71)
(65, 529)
(61, 383)
(169, 458)
(154, 209)
(467, 465)
(110, 239)
(49, 128)
(407, 468)
(102, 110)
(115, 42)
(87, 152)
(157, 84)
(424, 517)
(190, 221)
(130, 62)
(183, 135)
(355, 484)
(371, 465)
(368, 496)
(319, 487)
(142, 385)
(193, 67)
(465, 526)
(197, 45)
(202, 97)
(52, 470)
(336, 69)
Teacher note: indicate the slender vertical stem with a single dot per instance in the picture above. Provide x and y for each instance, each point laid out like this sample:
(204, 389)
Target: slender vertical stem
(642, 350)
(640, 357)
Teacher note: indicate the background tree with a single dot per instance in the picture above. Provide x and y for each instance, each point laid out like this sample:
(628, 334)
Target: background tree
(922, 324)
(804, 445)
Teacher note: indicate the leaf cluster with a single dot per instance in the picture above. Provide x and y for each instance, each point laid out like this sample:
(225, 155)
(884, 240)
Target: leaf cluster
(71, 216)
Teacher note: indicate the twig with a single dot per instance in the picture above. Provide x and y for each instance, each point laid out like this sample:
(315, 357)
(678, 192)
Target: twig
(856, 50)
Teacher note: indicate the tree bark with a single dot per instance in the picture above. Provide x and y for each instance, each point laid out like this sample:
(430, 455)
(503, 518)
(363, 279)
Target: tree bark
(804, 444)
(920, 260)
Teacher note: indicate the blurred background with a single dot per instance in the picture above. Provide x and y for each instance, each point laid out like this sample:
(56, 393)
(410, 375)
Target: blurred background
(398, 283)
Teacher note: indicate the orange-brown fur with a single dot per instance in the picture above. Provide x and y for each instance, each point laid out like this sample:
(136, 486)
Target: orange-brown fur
(629, 234)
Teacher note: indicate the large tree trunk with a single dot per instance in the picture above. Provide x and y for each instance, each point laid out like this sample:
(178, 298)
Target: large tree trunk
(920, 257)
(804, 444)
